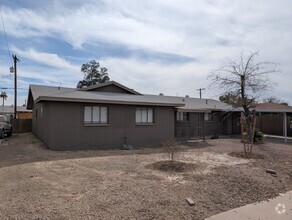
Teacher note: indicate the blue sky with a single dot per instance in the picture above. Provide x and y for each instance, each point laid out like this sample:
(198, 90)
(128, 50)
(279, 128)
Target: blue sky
(154, 46)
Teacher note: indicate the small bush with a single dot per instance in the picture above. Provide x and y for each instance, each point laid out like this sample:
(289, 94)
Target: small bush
(171, 149)
(258, 136)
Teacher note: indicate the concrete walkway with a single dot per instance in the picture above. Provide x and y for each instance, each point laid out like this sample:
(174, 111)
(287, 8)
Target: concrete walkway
(277, 137)
(279, 208)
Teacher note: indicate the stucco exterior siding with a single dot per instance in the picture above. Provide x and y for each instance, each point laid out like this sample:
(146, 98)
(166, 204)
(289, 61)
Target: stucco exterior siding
(65, 128)
(39, 121)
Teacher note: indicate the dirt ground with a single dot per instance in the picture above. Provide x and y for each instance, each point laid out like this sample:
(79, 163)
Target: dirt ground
(117, 184)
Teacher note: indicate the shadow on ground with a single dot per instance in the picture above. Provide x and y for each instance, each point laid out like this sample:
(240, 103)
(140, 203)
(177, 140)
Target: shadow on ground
(26, 148)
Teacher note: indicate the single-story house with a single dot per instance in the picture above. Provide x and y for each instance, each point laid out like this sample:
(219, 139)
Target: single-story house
(22, 112)
(110, 115)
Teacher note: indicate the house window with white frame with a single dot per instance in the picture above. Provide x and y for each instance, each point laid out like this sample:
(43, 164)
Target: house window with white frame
(95, 115)
(144, 116)
(182, 116)
(208, 116)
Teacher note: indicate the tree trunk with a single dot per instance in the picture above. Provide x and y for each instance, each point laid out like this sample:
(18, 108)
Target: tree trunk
(248, 124)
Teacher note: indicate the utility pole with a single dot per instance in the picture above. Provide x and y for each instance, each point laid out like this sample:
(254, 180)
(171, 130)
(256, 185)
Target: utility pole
(15, 60)
(200, 89)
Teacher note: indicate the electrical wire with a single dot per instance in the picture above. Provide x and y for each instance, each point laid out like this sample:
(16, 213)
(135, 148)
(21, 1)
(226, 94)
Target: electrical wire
(6, 40)
(6, 76)
(8, 49)
(13, 88)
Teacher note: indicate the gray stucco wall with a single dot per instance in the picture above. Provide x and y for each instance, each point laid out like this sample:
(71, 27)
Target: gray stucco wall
(62, 127)
(39, 121)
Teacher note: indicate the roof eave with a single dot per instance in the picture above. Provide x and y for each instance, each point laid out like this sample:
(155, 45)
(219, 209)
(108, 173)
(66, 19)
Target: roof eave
(57, 99)
(182, 109)
(274, 111)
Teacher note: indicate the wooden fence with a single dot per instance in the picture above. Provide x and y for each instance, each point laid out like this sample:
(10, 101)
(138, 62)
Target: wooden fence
(21, 125)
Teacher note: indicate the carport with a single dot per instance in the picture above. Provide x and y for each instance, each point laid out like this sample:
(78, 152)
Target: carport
(281, 109)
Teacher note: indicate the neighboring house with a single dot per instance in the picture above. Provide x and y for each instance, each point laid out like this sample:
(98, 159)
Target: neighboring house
(110, 115)
(22, 112)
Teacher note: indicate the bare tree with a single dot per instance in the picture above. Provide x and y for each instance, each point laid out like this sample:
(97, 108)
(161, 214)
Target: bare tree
(246, 79)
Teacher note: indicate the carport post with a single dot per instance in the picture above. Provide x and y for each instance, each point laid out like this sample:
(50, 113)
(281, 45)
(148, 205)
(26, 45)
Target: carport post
(285, 126)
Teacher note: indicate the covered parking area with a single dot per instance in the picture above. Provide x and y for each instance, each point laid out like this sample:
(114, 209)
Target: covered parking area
(274, 119)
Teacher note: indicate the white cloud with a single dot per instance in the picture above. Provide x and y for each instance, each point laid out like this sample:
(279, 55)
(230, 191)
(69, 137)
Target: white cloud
(48, 59)
(191, 28)
(207, 30)
(154, 78)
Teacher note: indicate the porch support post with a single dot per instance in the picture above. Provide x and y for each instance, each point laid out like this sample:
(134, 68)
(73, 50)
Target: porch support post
(204, 138)
(285, 126)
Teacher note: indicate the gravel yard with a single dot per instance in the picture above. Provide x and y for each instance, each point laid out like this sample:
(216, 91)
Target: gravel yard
(116, 184)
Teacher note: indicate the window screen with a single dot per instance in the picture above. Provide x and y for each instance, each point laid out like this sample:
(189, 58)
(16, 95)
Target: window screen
(144, 115)
(96, 114)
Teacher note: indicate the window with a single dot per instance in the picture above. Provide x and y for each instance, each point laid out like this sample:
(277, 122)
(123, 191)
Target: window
(182, 116)
(144, 115)
(208, 117)
(95, 114)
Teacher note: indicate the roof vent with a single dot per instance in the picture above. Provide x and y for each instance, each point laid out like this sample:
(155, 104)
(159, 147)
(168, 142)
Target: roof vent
(187, 96)
(161, 94)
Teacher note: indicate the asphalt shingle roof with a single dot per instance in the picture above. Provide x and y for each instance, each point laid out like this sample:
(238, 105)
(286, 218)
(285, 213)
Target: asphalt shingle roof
(272, 107)
(43, 93)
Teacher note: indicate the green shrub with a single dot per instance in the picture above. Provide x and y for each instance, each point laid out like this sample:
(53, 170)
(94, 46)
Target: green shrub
(258, 136)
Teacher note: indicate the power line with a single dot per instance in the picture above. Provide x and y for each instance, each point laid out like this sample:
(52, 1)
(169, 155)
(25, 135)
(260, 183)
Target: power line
(9, 53)
(13, 88)
(6, 76)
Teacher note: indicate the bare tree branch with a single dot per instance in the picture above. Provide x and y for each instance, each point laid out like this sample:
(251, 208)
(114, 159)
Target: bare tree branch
(244, 80)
